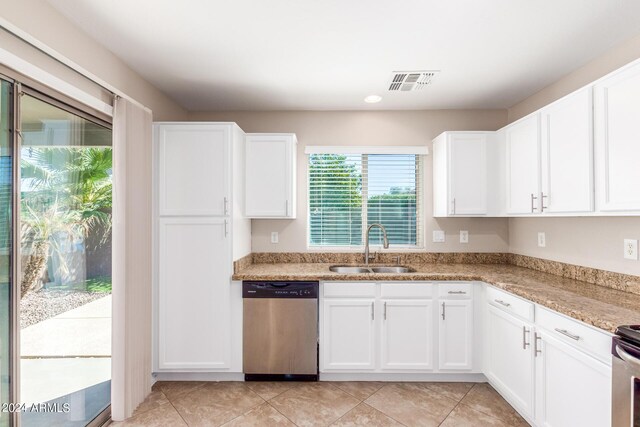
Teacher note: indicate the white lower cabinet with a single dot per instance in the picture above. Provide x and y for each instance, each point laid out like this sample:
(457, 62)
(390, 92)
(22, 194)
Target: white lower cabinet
(455, 334)
(193, 294)
(348, 334)
(407, 334)
(572, 388)
(510, 364)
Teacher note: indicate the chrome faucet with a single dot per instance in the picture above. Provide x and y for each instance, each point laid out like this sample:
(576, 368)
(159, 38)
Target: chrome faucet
(385, 241)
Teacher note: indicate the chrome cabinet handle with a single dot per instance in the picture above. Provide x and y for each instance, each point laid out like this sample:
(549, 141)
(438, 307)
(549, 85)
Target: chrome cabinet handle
(533, 207)
(535, 344)
(542, 206)
(627, 357)
(457, 292)
(525, 344)
(226, 228)
(443, 309)
(373, 315)
(286, 207)
(453, 202)
(499, 301)
(226, 206)
(384, 313)
(568, 334)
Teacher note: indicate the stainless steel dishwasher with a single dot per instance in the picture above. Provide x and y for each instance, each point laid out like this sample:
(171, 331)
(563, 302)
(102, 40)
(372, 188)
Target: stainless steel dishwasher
(280, 330)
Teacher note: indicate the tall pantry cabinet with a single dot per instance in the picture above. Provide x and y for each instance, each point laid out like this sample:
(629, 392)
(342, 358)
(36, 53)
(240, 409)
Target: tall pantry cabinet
(200, 231)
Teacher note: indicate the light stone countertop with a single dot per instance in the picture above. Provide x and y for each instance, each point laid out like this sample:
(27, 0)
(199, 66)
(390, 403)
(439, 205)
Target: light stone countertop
(596, 305)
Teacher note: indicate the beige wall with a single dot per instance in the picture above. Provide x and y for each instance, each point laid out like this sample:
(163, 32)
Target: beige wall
(370, 128)
(40, 20)
(593, 242)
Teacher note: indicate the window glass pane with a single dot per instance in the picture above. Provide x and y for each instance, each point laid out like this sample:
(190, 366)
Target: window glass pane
(6, 188)
(65, 305)
(335, 200)
(391, 197)
(338, 184)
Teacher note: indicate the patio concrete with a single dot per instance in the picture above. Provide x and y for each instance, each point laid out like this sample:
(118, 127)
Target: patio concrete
(66, 353)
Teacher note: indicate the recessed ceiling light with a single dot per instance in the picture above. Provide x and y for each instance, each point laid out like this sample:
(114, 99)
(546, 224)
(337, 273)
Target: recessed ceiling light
(372, 99)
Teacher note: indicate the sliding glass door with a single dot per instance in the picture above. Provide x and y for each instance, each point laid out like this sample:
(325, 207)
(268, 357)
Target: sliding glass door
(6, 230)
(65, 287)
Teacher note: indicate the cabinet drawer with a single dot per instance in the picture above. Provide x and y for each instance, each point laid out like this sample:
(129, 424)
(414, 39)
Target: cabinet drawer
(455, 290)
(510, 303)
(593, 341)
(349, 289)
(406, 290)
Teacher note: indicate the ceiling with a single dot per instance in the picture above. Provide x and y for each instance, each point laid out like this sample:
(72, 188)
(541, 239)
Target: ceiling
(330, 54)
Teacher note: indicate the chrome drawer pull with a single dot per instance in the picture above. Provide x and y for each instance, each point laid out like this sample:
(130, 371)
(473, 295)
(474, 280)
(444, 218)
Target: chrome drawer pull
(457, 292)
(568, 334)
(536, 350)
(525, 344)
(443, 308)
(499, 301)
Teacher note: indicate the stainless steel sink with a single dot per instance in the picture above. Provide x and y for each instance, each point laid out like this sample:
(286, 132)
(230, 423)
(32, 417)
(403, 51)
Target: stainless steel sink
(394, 269)
(349, 269)
(352, 269)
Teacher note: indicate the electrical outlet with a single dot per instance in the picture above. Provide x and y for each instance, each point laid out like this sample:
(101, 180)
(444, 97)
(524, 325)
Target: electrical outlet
(274, 237)
(438, 236)
(631, 249)
(542, 239)
(464, 236)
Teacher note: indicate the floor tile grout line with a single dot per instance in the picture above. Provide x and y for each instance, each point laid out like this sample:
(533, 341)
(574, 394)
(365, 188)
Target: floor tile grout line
(483, 412)
(458, 404)
(178, 412)
(384, 413)
(276, 409)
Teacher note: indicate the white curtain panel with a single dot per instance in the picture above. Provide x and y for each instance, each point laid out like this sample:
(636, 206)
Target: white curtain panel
(131, 349)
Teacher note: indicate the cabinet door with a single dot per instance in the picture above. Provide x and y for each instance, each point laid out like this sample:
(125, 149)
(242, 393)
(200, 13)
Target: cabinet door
(617, 108)
(455, 334)
(193, 169)
(467, 174)
(270, 176)
(509, 363)
(573, 389)
(194, 294)
(407, 334)
(523, 166)
(348, 334)
(567, 159)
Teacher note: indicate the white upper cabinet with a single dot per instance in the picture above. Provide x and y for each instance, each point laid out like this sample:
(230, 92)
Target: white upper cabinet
(194, 169)
(567, 155)
(617, 141)
(460, 173)
(522, 141)
(271, 175)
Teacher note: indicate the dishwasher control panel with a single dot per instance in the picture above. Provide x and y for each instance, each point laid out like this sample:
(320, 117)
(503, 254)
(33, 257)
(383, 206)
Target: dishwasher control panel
(258, 289)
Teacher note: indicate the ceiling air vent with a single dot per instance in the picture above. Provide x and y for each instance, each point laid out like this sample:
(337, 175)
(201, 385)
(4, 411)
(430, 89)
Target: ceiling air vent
(406, 81)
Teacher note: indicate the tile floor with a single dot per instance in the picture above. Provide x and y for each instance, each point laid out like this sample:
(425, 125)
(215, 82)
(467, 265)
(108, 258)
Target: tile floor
(323, 404)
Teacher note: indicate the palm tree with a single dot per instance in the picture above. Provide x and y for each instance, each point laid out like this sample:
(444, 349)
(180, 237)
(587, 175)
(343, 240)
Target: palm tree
(69, 194)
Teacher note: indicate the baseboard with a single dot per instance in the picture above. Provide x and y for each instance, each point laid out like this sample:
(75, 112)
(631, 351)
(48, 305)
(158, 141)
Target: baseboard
(199, 376)
(406, 377)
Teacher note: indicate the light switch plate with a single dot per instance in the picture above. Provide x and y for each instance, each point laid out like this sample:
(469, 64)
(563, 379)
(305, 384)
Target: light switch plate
(542, 239)
(464, 236)
(631, 249)
(274, 237)
(438, 236)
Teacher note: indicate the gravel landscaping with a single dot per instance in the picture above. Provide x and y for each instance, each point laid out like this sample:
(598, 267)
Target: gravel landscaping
(45, 303)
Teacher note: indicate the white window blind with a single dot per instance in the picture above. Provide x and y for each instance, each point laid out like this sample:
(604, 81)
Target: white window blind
(348, 192)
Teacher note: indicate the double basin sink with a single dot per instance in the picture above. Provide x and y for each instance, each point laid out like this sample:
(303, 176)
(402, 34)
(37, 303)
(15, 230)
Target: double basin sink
(350, 269)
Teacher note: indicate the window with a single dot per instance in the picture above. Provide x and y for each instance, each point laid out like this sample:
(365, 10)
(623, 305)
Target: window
(350, 191)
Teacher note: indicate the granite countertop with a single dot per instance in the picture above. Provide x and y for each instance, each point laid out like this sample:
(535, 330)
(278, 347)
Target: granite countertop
(596, 305)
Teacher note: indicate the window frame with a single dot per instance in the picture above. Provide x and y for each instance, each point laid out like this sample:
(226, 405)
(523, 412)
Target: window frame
(419, 152)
